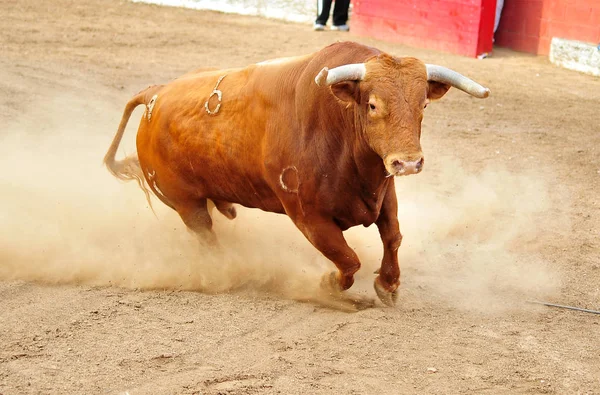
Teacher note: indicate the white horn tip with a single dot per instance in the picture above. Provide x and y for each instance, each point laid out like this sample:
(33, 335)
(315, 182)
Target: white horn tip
(484, 93)
(321, 78)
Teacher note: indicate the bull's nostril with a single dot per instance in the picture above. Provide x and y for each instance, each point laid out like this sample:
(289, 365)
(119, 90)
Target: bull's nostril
(419, 165)
(399, 166)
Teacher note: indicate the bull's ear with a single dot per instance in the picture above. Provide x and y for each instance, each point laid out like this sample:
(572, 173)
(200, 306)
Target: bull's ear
(346, 91)
(436, 90)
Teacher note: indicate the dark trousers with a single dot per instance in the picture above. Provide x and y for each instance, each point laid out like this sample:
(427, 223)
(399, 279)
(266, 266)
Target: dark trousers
(340, 11)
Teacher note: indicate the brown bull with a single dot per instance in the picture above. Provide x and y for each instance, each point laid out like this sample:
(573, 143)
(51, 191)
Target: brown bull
(291, 136)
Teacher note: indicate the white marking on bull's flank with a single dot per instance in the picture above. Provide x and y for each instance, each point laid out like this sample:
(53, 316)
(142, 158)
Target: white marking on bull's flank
(158, 189)
(219, 97)
(152, 182)
(150, 106)
(282, 183)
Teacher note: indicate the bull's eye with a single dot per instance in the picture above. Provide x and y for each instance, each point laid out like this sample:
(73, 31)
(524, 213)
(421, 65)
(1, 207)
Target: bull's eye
(425, 106)
(372, 106)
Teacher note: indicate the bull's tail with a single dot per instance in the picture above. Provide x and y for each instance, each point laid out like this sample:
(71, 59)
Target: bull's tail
(129, 168)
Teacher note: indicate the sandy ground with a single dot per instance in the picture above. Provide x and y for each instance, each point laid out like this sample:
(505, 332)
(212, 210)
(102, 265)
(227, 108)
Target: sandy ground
(98, 295)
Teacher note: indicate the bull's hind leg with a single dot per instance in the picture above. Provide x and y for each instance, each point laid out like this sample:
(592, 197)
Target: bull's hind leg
(196, 217)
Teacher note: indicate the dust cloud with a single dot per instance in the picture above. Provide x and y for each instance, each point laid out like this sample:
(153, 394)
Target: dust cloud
(469, 239)
(473, 240)
(65, 219)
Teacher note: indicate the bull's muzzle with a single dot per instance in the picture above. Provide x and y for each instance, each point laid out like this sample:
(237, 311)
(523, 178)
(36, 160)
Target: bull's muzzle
(396, 166)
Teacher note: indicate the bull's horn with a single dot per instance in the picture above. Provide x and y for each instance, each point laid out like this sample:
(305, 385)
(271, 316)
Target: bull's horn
(347, 72)
(459, 81)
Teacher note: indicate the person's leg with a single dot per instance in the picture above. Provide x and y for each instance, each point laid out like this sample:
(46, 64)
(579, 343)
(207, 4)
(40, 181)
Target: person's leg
(340, 12)
(499, 5)
(323, 9)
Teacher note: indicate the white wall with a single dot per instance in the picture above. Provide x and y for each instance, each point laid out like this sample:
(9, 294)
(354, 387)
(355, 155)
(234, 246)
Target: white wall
(303, 11)
(575, 55)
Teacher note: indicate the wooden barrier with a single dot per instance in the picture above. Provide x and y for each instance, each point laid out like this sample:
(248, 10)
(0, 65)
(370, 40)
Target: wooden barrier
(464, 27)
(530, 25)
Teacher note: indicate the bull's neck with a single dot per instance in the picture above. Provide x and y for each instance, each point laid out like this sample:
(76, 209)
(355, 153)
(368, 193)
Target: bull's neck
(359, 160)
(369, 165)
(337, 140)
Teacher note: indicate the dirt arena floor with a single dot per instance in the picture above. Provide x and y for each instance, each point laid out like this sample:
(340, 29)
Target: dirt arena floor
(100, 296)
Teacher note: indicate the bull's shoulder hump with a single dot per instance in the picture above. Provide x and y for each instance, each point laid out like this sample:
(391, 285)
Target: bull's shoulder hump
(290, 60)
(206, 74)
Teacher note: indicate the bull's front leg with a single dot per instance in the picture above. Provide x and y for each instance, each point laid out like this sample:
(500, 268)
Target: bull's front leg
(388, 280)
(325, 235)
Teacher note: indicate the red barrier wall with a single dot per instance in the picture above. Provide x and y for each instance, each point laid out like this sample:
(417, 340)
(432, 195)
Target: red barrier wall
(460, 26)
(530, 25)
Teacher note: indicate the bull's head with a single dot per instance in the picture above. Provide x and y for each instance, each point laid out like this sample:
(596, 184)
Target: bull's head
(390, 95)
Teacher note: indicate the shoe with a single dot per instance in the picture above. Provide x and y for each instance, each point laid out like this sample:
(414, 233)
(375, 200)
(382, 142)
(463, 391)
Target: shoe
(318, 27)
(341, 28)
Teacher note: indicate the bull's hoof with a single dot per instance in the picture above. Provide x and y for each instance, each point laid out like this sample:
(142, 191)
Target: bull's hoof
(231, 213)
(331, 284)
(388, 298)
(226, 208)
(343, 300)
